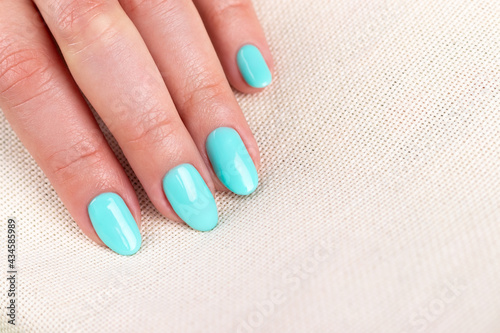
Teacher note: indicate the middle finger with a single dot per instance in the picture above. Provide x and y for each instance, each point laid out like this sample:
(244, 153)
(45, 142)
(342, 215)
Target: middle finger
(114, 69)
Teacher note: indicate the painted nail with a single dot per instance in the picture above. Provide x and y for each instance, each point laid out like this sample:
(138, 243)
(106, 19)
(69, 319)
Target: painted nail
(253, 67)
(114, 224)
(231, 162)
(190, 197)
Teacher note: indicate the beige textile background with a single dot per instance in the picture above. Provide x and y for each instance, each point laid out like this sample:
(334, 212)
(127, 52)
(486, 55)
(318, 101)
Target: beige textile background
(378, 205)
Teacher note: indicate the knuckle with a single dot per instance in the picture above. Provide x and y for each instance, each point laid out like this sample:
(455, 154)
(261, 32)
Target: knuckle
(71, 17)
(138, 5)
(153, 129)
(88, 151)
(23, 68)
(203, 90)
(228, 8)
(159, 6)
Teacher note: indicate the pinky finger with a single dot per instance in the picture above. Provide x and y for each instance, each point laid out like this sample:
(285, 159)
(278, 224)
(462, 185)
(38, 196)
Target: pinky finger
(240, 42)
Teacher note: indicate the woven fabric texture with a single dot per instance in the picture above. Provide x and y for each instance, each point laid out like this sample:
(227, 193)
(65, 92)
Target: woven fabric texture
(378, 207)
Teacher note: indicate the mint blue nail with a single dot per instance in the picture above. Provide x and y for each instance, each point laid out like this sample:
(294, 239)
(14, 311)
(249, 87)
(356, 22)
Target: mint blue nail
(114, 224)
(190, 197)
(253, 67)
(231, 162)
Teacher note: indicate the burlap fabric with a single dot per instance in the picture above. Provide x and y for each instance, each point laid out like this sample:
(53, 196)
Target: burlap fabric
(378, 205)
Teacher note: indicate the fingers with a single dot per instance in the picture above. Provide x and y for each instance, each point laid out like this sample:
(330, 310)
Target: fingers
(47, 111)
(114, 69)
(239, 41)
(177, 39)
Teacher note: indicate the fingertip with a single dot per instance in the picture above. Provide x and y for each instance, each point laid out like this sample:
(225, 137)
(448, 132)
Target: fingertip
(253, 67)
(189, 196)
(240, 42)
(114, 223)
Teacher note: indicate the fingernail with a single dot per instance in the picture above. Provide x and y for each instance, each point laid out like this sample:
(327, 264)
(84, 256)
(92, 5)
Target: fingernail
(114, 224)
(190, 197)
(231, 162)
(253, 67)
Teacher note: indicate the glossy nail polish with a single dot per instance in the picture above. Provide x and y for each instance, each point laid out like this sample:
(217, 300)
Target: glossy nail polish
(253, 67)
(114, 224)
(190, 197)
(231, 162)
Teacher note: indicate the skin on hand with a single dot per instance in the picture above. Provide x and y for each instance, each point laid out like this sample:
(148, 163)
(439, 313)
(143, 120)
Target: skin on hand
(157, 73)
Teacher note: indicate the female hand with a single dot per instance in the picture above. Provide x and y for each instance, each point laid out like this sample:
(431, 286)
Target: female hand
(156, 72)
